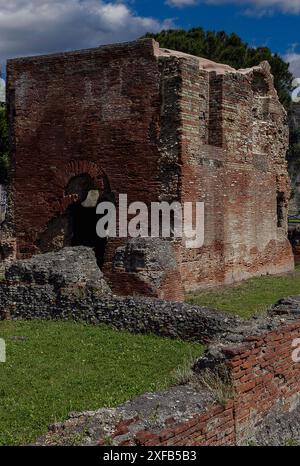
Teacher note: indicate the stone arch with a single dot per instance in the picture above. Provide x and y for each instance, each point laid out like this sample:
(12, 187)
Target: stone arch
(74, 224)
(77, 168)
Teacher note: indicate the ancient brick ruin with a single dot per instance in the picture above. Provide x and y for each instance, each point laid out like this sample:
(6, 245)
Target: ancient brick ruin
(157, 125)
(244, 391)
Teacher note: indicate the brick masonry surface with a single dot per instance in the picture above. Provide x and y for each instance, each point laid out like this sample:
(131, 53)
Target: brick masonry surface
(262, 408)
(157, 125)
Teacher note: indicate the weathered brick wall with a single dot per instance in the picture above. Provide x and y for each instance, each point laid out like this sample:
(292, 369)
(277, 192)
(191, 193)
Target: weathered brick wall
(86, 112)
(234, 161)
(216, 427)
(265, 379)
(156, 125)
(294, 124)
(95, 112)
(264, 388)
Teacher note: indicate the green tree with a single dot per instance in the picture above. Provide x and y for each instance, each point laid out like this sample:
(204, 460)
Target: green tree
(229, 49)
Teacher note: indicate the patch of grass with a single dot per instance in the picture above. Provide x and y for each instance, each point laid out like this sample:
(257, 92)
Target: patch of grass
(291, 443)
(218, 382)
(184, 373)
(250, 297)
(53, 368)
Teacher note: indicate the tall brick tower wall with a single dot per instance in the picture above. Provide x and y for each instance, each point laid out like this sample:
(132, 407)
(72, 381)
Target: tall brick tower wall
(233, 141)
(156, 125)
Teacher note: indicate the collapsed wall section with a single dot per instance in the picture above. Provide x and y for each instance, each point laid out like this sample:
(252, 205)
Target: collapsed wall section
(247, 379)
(255, 403)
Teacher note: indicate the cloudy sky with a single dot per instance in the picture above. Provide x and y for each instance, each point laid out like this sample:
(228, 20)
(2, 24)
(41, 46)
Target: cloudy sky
(29, 27)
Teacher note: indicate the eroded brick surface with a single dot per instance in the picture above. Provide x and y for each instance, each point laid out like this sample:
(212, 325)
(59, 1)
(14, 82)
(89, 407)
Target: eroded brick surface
(156, 125)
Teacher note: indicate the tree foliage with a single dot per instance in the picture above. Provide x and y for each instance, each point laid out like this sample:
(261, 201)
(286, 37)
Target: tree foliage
(228, 49)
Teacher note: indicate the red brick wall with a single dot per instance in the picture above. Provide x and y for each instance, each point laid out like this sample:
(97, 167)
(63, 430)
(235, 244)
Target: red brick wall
(265, 375)
(234, 162)
(264, 379)
(157, 126)
(99, 107)
(98, 112)
(216, 427)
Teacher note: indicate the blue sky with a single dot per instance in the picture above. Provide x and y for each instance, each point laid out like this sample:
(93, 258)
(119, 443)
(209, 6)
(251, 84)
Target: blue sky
(278, 30)
(30, 27)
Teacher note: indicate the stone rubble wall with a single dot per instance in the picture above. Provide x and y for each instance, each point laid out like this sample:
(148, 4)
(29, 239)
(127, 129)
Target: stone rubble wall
(264, 382)
(69, 285)
(253, 382)
(88, 304)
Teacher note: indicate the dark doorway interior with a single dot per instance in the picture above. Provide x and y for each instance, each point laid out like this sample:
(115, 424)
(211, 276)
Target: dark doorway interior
(83, 227)
(83, 220)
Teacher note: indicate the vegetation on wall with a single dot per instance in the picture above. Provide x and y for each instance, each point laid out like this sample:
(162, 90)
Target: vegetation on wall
(4, 146)
(228, 49)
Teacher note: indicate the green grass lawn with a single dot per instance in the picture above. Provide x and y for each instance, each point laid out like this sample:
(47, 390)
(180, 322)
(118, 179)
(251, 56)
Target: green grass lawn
(249, 297)
(53, 368)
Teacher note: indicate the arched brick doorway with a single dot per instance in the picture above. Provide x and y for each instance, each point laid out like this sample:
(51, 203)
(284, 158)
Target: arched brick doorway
(76, 219)
(82, 215)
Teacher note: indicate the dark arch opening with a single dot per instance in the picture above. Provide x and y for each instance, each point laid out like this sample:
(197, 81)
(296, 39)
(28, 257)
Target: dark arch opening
(80, 185)
(83, 227)
(77, 225)
(83, 218)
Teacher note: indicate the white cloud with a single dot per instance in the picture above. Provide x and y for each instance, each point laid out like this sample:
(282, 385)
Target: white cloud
(258, 6)
(29, 27)
(293, 59)
(180, 3)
